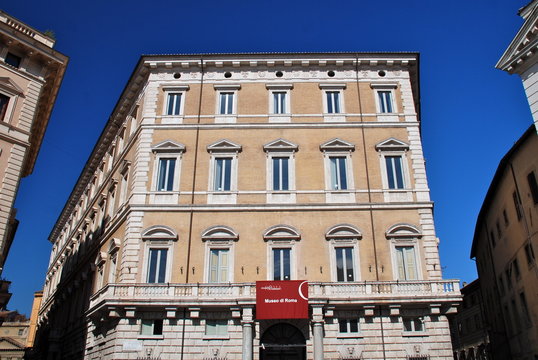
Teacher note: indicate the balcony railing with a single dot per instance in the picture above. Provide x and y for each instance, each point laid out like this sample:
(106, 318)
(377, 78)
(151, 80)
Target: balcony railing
(134, 294)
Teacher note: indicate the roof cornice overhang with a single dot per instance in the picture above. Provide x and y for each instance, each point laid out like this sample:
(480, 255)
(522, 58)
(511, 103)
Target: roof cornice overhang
(148, 63)
(495, 182)
(512, 59)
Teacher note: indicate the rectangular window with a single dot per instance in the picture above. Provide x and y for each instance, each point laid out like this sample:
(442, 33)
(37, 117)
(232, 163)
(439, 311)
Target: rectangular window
(338, 172)
(218, 265)
(223, 174)
(4, 101)
(13, 60)
(492, 238)
(385, 101)
(281, 264)
(333, 102)
(525, 307)
(501, 284)
(529, 254)
(152, 327)
(498, 227)
(279, 102)
(165, 176)
(112, 269)
(533, 185)
(226, 104)
(508, 275)
(517, 203)
(413, 324)
(406, 263)
(280, 173)
(515, 312)
(157, 265)
(173, 106)
(348, 326)
(344, 264)
(505, 216)
(394, 172)
(123, 188)
(216, 327)
(515, 265)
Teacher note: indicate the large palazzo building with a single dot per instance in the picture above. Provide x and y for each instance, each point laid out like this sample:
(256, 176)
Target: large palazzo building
(31, 72)
(218, 171)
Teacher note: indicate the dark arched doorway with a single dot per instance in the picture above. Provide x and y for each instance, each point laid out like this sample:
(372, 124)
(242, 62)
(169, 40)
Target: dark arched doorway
(283, 342)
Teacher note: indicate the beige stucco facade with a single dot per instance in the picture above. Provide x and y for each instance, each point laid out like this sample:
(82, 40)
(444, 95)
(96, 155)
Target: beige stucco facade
(30, 76)
(212, 169)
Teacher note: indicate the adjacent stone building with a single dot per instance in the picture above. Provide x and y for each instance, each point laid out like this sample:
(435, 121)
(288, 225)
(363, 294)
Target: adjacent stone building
(30, 76)
(216, 171)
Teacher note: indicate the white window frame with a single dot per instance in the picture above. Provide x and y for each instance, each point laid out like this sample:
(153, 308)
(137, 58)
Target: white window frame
(224, 336)
(347, 316)
(282, 237)
(280, 148)
(152, 335)
(13, 92)
(175, 89)
(328, 88)
(344, 236)
(166, 150)
(158, 237)
(338, 148)
(219, 238)
(100, 263)
(113, 263)
(405, 235)
(395, 147)
(223, 149)
(226, 88)
(124, 183)
(390, 87)
(284, 117)
(412, 320)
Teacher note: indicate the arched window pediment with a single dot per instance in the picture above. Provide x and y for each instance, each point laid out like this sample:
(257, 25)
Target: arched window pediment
(343, 231)
(159, 232)
(281, 232)
(403, 231)
(220, 232)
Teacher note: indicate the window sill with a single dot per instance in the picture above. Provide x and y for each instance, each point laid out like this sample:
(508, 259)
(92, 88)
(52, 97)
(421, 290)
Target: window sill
(414, 334)
(225, 119)
(349, 336)
(334, 118)
(277, 118)
(172, 119)
(150, 337)
(388, 117)
(216, 337)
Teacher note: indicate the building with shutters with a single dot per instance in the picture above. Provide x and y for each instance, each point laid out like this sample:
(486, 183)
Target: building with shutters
(217, 171)
(31, 72)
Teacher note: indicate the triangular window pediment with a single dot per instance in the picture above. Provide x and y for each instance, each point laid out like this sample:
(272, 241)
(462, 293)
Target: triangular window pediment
(337, 145)
(168, 146)
(392, 144)
(9, 86)
(281, 145)
(224, 146)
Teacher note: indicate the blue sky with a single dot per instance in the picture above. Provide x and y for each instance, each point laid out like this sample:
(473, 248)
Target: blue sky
(471, 112)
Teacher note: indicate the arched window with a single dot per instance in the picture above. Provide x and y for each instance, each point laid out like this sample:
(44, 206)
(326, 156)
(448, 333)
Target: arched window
(404, 243)
(344, 240)
(159, 240)
(219, 253)
(281, 241)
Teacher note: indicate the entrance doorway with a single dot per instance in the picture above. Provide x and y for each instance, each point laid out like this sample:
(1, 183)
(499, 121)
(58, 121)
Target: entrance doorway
(283, 342)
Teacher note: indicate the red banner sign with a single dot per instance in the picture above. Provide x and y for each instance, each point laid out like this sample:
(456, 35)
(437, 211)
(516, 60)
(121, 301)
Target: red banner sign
(282, 299)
